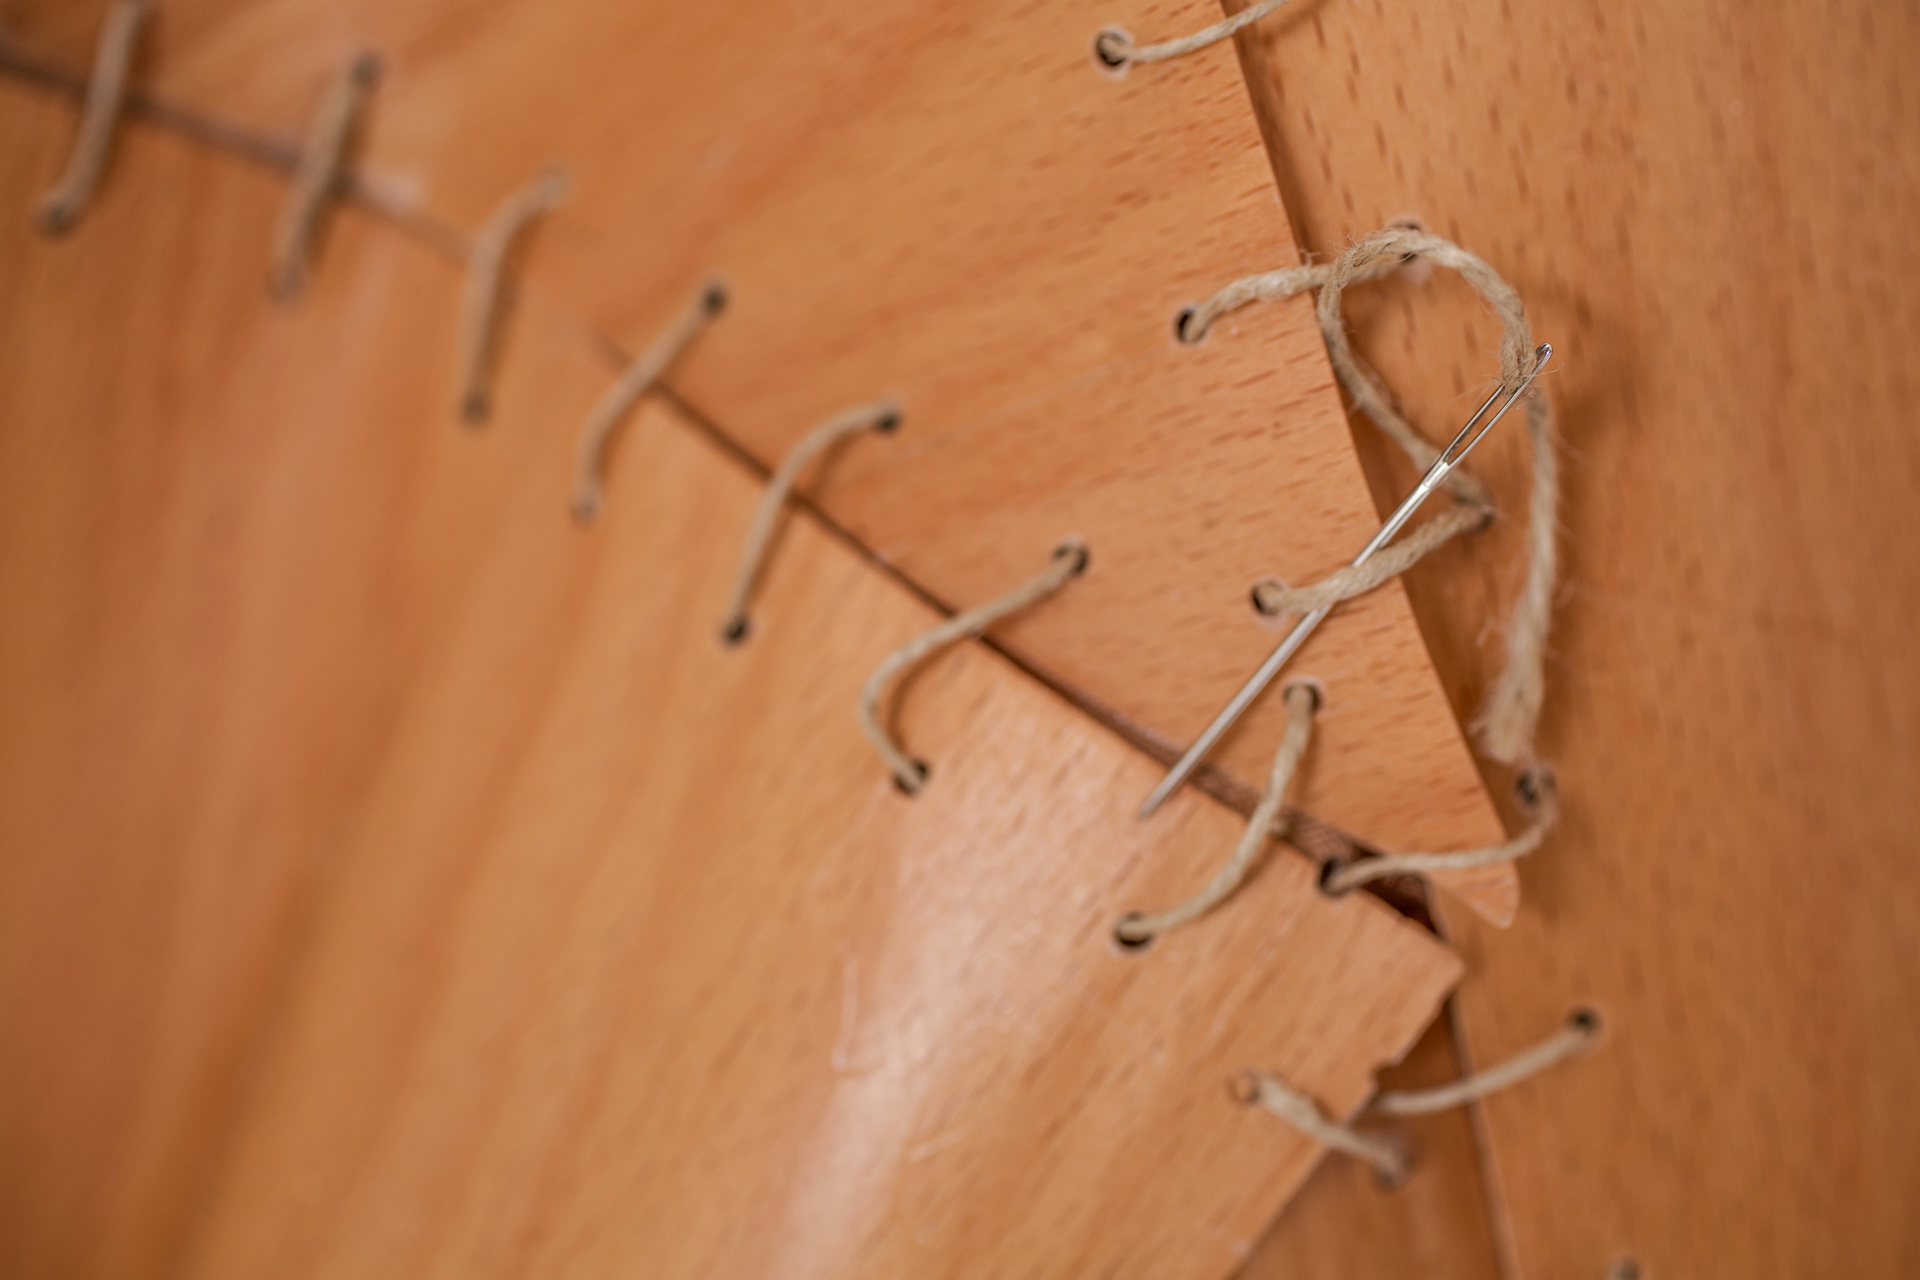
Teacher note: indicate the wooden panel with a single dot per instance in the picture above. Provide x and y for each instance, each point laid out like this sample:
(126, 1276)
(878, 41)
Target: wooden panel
(669, 976)
(953, 205)
(217, 558)
(1707, 208)
(1437, 1225)
(396, 879)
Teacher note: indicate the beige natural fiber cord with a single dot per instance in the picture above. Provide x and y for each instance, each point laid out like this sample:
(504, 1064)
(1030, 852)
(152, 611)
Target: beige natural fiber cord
(1069, 561)
(1539, 794)
(486, 274)
(1137, 929)
(1506, 724)
(62, 207)
(1387, 1155)
(318, 177)
(883, 417)
(1115, 48)
(1581, 1031)
(589, 454)
(1276, 599)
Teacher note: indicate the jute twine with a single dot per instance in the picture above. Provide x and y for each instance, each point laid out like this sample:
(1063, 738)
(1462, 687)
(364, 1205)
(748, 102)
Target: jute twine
(318, 177)
(63, 206)
(486, 277)
(1069, 561)
(883, 416)
(1387, 1153)
(589, 452)
(1115, 48)
(1137, 929)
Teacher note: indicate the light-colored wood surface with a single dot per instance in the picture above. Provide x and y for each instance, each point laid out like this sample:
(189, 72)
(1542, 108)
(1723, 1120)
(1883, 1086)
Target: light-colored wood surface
(1437, 1225)
(951, 205)
(398, 880)
(213, 558)
(1708, 210)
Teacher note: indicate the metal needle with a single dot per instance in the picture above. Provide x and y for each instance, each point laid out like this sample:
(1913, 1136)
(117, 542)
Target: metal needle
(1452, 456)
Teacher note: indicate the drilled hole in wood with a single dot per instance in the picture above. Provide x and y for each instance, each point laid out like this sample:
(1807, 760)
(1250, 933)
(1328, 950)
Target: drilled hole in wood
(920, 767)
(1121, 940)
(1110, 48)
(1182, 326)
(1328, 870)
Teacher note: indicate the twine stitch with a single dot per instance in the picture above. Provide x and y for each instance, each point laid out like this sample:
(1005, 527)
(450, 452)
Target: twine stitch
(1069, 560)
(486, 274)
(63, 206)
(883, 416)
(1386, 1153)
(1506, 724)
(1275, 598)
(591, 447)
(1115, 48)
(318, 177)
(1539, 794)
(1137, 929)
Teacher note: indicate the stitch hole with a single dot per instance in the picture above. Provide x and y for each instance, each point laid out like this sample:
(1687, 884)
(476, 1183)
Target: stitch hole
(1394, 1179)
(1328, 870)
(1125, 943)
(1244, 1089)
(1110, 48)
(1312, 686)
(736, 631)
(1183, 326)
(920, 767)
(1078, 550)
(1257, 593)
(1532, 785)
(715, 299)
(1585, 1020)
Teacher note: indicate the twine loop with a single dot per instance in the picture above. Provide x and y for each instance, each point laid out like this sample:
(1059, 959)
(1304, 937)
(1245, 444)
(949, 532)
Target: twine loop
(61, 209)
(1388, 1153)
(1302, 699)
(318, 177)
(1114, 49)
(882, 417)
(1068, 561)
(1507, 722)
(1539, 796)
(589, 454)
(486, 281)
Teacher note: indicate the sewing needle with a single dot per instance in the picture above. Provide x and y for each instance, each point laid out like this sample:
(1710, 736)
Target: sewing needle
(1452, 456)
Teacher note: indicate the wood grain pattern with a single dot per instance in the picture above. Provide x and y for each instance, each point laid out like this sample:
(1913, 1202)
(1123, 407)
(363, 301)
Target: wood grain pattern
(1437, 1225)
(428, 890)
(1707, 208)
(213, 562)
(951, 205)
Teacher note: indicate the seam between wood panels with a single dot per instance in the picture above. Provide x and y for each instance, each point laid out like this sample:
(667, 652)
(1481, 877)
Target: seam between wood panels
(1260, 80)
(442, 238)
(437, 236)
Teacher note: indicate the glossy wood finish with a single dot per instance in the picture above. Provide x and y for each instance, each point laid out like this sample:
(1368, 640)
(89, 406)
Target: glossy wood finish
(953, 205)
(399, 880)
(1708, 209)
(1437, 1225)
